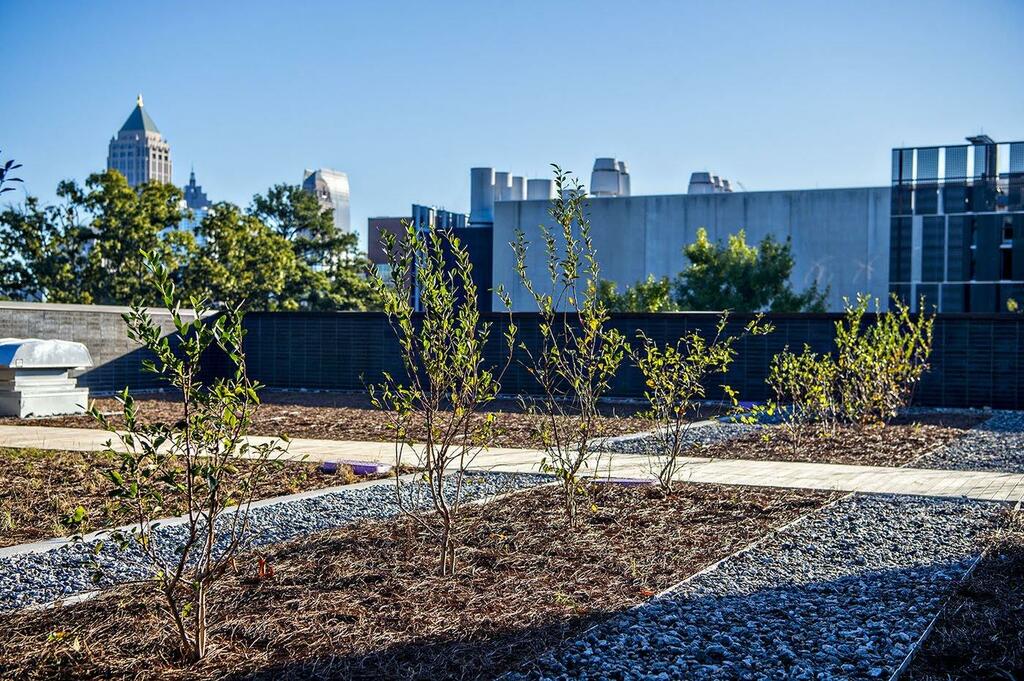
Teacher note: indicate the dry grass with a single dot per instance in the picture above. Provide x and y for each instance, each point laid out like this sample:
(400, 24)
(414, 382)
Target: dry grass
(348, 416)
(898, 443)
(366, 601)
(42, 489)
(981, 634)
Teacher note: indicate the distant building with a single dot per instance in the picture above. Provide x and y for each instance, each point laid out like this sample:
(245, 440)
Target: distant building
(195, 197)
(840, 237)
(139, 152)
(475, 240)
(331, 189)
(195, 200)
(375, 229)
(431, 217)
(957, 233)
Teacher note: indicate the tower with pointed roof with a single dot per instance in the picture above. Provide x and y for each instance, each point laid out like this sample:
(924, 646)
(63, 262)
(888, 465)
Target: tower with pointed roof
(139, 151)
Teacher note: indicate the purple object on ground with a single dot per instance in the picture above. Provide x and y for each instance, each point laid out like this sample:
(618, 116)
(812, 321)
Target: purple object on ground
(358, 467)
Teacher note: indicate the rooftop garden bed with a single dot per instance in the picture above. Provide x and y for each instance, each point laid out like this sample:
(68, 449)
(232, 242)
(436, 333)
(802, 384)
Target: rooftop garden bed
(52, 493)
(367, 601)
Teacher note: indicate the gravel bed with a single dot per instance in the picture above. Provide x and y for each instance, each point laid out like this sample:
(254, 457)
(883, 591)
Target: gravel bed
(703, 434)
(841, 594)
(993, 445)
(60, 573)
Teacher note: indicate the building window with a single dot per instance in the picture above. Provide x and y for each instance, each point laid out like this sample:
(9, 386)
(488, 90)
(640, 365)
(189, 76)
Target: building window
(1006, 267)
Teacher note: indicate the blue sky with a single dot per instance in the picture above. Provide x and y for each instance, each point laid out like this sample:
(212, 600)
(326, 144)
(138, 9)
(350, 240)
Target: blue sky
(407, 96)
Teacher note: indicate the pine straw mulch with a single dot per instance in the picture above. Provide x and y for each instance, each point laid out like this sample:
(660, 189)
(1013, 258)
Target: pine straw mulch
(980, 635)
(344, 416)
(40, 491)
(898, 443)
(366, 601)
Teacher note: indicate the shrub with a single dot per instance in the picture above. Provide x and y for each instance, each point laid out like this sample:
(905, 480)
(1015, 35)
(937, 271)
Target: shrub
(805, 383)
(869, 379)
(675, 377)
(578, 354)
(446, 382)
(879, 364)
(195, 459)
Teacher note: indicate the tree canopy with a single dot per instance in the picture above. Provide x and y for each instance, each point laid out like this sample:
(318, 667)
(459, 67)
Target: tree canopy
(653, 295)
(741, 277)
(88, 248)
(732, 276)
(281, 253)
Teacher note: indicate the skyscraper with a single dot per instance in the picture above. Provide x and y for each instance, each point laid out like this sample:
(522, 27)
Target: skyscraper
(139, 151)
(195, 197)
(331, 189)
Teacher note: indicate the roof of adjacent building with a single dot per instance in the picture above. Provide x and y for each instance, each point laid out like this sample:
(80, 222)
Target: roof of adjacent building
(139, 120)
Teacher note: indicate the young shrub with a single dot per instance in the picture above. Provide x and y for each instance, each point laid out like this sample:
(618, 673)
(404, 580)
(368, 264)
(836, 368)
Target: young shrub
(576, 355)
(674, 376)
(879, 364)
(446, 381)
(194, 459)
(803, 387)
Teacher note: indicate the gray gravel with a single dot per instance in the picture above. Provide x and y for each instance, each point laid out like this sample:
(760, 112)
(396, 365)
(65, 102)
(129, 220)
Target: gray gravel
(703, 434)
(842, 594)
(996, 444)
(43, 577)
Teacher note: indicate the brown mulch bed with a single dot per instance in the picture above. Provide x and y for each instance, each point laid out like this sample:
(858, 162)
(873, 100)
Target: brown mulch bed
(41, 490)
(367, 602)
(346, 416)
(898, 443)
(980, 636)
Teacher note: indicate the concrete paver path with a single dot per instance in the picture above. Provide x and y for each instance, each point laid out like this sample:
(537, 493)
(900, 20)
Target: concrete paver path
(982, 485)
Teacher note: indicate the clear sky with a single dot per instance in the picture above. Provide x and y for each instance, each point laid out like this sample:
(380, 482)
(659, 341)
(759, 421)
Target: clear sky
(407, 96)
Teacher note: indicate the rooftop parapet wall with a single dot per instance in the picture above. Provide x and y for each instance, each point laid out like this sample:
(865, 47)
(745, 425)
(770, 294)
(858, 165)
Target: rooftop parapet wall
(978, 360)
(117, 361)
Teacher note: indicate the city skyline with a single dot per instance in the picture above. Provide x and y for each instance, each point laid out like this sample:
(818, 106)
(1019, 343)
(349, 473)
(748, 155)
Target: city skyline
(772, 99)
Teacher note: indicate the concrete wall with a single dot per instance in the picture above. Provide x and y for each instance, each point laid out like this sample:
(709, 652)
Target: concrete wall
(840, 236)
(117, 361)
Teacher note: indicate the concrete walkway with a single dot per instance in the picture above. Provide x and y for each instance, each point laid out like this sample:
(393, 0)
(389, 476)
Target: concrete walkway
(981, 485)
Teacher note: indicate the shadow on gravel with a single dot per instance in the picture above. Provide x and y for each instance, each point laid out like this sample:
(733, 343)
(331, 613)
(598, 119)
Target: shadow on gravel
(479, 658)
(860, 626)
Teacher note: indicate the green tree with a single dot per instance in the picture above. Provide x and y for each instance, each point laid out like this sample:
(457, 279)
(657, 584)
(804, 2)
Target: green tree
(653, 295)
(335, 276)
(744, 278)
(87, 249)
(242, 260)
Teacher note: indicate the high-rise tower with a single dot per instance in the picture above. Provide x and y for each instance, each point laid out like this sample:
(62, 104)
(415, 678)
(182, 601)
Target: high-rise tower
(139, 151)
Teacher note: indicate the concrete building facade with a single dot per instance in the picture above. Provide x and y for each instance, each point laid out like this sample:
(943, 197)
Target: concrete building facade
(139, 151)
(840, 237)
